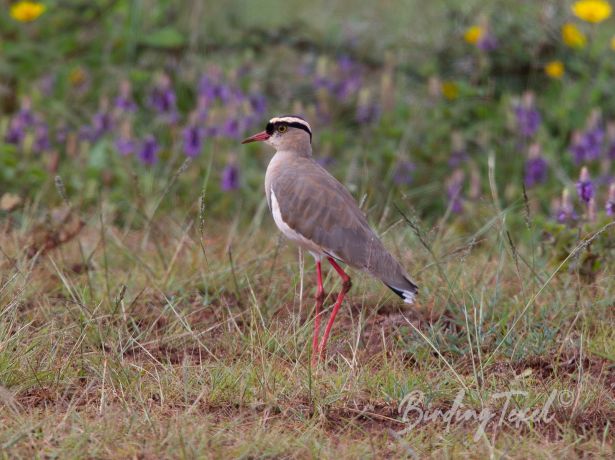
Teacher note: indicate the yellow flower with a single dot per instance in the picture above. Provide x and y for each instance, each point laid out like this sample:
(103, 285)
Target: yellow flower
(555, 69)
(27, 11)
(572, 36)
(473, 34)
(77, 76)
(592, 10)
(450, 90)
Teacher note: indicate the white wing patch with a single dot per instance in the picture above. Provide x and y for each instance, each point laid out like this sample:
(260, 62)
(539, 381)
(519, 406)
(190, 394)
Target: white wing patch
(291, 234)
(408, 296)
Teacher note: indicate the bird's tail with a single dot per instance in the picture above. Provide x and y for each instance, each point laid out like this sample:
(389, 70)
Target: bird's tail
(405, 289)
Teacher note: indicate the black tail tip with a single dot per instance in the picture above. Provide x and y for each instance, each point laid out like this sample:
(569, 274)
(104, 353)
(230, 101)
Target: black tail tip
(408, 293)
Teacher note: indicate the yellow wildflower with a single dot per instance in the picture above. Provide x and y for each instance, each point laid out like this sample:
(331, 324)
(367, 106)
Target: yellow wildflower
(555, 69)
(450, 90)
(572, 36)
(27, 11)
(473, 34)
(77, 76)
(592, 10)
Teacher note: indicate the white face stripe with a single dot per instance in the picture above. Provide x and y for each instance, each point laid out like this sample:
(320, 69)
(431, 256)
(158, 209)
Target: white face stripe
(301, 121)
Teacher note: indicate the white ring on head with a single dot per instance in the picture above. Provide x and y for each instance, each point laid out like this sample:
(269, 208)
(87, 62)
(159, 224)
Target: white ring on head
(300, 121)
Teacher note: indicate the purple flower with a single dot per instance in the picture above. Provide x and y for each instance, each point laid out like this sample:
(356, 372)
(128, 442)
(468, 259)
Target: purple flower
(487, 43)
(230, 178)
(86, 133)
(324, 82)
(207, 88)
(15, 133)
(347, 87)
(41, 137)
(125, 146)
(258, 103)
(457, 157)
(124, 101)
(61, 134)
(163, 100)
(149, 150)
(535, 171)
(587, 146)
(230, 129)
(367, 113)
(403, 173)
(528, 120)
(585, 187)
(101, 124)
(453, 191)
(125, 143)
(346, 64)
(610, 202)
(193, 140)
(458, 150)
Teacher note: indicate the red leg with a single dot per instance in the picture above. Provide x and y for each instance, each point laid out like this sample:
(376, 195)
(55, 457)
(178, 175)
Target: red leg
(346, 285)
(320, 297)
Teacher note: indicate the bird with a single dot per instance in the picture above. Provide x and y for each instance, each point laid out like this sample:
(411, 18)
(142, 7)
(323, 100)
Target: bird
(316, 212)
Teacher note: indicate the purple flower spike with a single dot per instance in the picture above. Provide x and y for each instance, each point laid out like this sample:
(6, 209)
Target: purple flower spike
(41, 138)
(453, 191)
(610, 202)
(230, 178)
(231, 129)
(193, 140)
(125, 143)
(487, 43)
(15, 133)
(125, 146)
(367, 113)
(528, 117)
(535, 167)
(528, 120)
(403, 173)
(587, 145)
(149, 150)
(124, 101)
(585, 187)
(459, 153)
(25, 115)
(163, 100)
(258, 103)
(457, 157)
(535, 171)
(101, 124)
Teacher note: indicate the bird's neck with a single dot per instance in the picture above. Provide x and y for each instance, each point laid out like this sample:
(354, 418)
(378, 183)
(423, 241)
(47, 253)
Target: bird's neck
(304, 151)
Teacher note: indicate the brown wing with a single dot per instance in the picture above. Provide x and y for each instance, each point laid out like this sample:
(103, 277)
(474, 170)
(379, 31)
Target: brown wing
(316, 205)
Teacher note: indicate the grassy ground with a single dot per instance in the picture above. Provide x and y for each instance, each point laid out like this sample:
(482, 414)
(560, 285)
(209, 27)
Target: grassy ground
(161, 343)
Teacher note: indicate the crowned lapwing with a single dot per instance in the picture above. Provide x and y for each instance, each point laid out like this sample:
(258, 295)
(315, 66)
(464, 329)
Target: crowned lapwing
(317, 212)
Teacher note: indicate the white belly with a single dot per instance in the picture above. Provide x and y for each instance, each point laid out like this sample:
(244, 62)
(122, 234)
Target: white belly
(291, 234)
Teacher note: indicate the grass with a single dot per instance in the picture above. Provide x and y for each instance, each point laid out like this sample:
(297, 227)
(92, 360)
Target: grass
(143, 340)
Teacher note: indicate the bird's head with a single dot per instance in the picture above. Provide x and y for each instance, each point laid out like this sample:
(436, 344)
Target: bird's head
(289, 133)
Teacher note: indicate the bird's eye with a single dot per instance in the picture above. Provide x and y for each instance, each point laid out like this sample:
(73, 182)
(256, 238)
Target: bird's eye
(282, 129)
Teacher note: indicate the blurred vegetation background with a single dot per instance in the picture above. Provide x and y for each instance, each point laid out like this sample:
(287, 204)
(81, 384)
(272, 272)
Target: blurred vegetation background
(408, 99)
